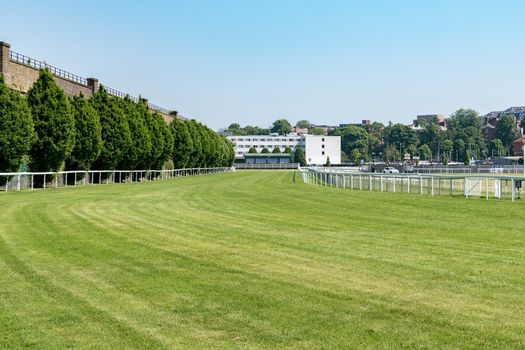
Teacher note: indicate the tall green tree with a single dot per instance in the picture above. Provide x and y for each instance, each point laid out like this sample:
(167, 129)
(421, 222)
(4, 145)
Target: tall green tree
(139, 150)
(182, 143)
(400, 136)
(465, 125)
(304, 124)
(355, 156)
(352, 137)
(432, 135)
(54, 124)
(496, 148)
(425, 152)
(88, 138)
(506, 132)
(16, 130)
(115, 133)
(196, 154)
(167, 144)
(282, 127)
(299, 156)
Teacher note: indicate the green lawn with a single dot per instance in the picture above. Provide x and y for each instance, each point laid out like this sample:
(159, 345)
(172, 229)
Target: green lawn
(258, 260)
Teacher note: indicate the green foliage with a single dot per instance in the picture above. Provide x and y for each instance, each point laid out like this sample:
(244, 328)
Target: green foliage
(282, 127)
(303, 124)
(237, 130)
(496, 148)
(425, 152)
(182, 143)
(411, 150)
(276, 150)
(355, 156)
(466, 161)
(165, 142)
(138, 155)
(506, 132)
(288, 150)
(432, 135)
(400, 135)
(265, 150)
(116, 136)
(16, 130)
(196, 154)
(316, 131)
(252, 150)
(54, 124)
(327, 161)
(299, 156)
(88, 139)
(352, 137)
(465, 125)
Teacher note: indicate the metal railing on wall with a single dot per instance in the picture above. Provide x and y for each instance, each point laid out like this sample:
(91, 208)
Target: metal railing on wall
(28, 61)
(31, 62)
(469, 185)
(46, 180)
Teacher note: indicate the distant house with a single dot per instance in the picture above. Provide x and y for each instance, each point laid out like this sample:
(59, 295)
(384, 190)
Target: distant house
(490, 121)
(427, 118)
(518, 146)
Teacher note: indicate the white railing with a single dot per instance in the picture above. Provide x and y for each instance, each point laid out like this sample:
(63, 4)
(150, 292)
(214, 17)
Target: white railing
(32, 180)
(471, 185)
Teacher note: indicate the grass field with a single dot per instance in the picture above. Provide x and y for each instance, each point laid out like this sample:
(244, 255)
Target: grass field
(258, 260)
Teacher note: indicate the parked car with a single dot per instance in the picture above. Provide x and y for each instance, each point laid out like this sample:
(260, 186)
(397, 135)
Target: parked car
(390, 170)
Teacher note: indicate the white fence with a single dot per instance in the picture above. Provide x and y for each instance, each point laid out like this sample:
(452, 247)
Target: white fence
(481, 186)
(31, 180)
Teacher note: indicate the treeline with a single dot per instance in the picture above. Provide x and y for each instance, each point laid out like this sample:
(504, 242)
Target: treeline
(461, 141)
(49, 132)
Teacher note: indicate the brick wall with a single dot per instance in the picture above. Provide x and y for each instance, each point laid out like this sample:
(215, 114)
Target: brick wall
(20, 77)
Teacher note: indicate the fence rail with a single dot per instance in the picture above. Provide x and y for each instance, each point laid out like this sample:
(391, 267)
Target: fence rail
(262, 166)
(19, 58)
(471, 185)
(508, 169)
(46, 180)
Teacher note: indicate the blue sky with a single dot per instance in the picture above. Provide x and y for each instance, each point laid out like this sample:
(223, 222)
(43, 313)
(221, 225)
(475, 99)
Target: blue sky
(251, 62)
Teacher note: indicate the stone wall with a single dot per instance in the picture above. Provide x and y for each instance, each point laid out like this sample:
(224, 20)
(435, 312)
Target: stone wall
(20, 77)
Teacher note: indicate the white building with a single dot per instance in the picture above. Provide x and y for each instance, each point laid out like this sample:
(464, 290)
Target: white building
(317, 148)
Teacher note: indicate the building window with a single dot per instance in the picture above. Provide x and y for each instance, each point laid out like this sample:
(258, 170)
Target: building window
(322, 153)
(322, 139)
(322, 146)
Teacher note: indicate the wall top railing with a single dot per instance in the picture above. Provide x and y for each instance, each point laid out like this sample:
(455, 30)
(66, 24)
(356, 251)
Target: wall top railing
(28, 61)
(31, 62)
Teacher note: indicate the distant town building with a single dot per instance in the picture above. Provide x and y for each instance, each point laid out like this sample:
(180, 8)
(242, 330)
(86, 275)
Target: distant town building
(363, 123)
(518, 146)
(427, 118)
(317, 148)
(490, 121)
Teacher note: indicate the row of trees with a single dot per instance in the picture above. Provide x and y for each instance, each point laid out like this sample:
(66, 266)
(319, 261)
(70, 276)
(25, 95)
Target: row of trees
(296, 156)
(280, 126)
(49, 131)
(461, 141)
